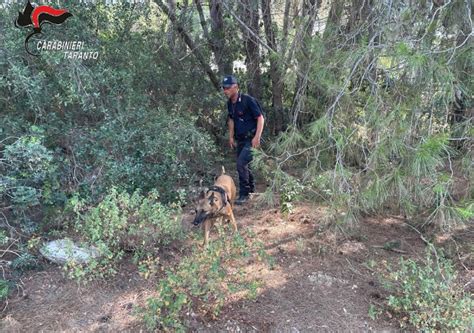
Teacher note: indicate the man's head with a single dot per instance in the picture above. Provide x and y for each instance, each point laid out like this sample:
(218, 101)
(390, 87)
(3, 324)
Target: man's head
(230, 86)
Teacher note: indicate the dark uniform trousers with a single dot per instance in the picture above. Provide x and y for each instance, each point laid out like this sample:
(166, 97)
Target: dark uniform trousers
(244, 157)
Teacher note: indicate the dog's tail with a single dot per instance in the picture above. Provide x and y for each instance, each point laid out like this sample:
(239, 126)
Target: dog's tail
(223, 170)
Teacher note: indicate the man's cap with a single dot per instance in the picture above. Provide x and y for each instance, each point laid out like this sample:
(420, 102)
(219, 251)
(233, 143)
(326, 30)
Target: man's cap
(228, 81)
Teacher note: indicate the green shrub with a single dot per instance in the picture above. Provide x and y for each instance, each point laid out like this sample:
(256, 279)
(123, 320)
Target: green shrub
(27, 172)
(25, 262)
(202, 282)
(291, 192)
(127, 119)
(3, 237)
(156, 150)
(427, 296)
(122, 222)
(4, 289)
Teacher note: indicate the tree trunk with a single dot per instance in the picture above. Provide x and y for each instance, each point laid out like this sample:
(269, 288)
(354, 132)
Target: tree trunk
(362, 22)
(358, 15)
(189, 42)
(218, 38)
(215, 39)
(286, 20)
(170, 34)
(276, 66)
(250, 17)
(202, 20)
(309, 12)
(333, 24)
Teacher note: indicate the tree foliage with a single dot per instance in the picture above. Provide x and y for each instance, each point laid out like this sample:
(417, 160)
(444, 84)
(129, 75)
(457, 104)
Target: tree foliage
(368, 103)
(376, 119)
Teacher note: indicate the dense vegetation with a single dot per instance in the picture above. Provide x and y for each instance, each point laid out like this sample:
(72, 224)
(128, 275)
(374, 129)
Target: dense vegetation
(369, 110)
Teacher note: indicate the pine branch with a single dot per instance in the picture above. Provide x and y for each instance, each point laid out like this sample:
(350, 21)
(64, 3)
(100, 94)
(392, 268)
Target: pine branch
(190, 43)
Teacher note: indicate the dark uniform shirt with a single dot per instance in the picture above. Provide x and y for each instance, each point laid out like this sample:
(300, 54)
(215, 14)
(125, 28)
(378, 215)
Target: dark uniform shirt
(244, 113)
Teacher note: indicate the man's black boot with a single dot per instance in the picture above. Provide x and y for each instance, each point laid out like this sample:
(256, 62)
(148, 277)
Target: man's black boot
(243, 198)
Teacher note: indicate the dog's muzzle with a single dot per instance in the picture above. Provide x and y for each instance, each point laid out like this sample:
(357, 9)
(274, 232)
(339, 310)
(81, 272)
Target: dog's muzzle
(200, 217)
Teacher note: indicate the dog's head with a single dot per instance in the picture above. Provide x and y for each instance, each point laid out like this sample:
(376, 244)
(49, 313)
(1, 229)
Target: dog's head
(208, 204)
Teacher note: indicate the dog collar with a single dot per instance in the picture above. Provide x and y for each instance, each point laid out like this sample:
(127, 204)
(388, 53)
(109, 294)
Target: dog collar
(219, 189)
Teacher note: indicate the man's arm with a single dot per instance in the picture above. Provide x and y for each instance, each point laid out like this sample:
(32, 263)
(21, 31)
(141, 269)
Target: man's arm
(258, 134)
(230, 124)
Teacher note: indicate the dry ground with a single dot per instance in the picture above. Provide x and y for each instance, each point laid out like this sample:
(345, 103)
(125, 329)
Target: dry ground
(320, 282)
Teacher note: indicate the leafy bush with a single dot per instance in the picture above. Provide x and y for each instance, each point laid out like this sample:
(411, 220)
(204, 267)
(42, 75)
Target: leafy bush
(292, 191)
(28, 172)
(122, 222)
(28, 184)
(4, 289)
(427, 296)
(126, 119)
(155, 150)
(202, 281)
(25, 262)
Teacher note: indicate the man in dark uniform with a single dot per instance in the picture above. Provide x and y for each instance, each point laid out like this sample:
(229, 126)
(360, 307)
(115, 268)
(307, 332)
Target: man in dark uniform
(245, 122)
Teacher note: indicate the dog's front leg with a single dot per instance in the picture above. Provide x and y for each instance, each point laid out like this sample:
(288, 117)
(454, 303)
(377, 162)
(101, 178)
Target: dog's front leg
(230, 213)
(207, 230)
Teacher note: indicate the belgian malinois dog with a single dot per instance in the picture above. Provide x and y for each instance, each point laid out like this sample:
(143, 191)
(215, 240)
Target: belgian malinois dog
(216, 204)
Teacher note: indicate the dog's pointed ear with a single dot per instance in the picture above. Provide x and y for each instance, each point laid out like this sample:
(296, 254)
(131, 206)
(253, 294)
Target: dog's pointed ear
(212, 199)
(202, 195)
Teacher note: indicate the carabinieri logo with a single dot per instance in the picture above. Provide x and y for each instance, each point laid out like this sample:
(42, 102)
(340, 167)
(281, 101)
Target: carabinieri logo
(36, 16)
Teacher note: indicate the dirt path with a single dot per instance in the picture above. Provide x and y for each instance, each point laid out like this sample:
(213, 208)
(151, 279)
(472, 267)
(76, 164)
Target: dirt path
(316, 286)
(318, 283)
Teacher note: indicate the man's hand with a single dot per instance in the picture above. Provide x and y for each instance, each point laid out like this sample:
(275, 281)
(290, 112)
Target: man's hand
(231, 143)
(256, 142)
(256, 138)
